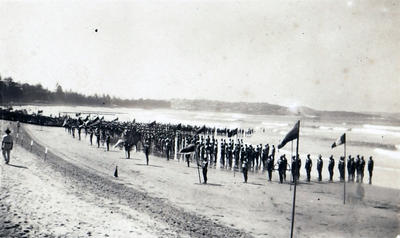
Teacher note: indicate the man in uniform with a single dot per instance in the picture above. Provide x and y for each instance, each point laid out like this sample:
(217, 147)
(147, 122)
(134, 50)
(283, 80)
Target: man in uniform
(273, 152)
(204, 166)
(285, 163)
(349, 166)
(270, 167)
(7, 145)
(362, 167)
(281, 168)
(108, 139)
(298, 162)
(167, 148)
(320, 165)
(222, 158)
(147, 150)
(357, 168)
(341, 168)
(187, 156)
(353, 169)
(264, 156)
(370, 168)
(308, 167)
(245, 168)
(294, 168)
(331, 166)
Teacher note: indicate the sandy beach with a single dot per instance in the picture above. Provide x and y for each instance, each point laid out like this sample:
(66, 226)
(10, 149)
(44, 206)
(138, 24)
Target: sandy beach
(72, 193)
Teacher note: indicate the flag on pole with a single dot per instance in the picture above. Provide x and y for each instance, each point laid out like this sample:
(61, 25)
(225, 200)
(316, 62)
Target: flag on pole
(201, 130)
(341, 140)
(232, 132)
(190, 148)
(152, 124)
(291, 135)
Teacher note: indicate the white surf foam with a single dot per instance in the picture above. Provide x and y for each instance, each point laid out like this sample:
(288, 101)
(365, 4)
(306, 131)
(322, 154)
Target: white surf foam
(395, 154)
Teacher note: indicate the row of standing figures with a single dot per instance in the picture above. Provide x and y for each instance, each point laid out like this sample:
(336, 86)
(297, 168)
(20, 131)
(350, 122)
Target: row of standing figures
(241, 163)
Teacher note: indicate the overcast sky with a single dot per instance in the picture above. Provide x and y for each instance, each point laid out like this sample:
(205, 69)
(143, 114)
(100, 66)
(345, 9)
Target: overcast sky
(332, 55)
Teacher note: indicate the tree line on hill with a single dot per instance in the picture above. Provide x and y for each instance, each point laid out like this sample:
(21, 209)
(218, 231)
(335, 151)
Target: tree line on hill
(14, 93)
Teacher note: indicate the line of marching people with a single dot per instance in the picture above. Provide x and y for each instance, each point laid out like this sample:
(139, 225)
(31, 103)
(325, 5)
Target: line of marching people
(355, 168)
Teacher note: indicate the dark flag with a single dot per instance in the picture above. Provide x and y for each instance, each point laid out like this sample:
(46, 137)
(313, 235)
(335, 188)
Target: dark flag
(116, 119)
(232, 132)
(40, 111)
(292, 135)
(152, 124)
(341, 140)
(190, 148)
(94, 122)
(86, 119)
(201, 130)
(179, 127)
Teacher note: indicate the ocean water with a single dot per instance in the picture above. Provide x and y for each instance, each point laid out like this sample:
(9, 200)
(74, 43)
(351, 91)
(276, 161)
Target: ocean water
(379, 138)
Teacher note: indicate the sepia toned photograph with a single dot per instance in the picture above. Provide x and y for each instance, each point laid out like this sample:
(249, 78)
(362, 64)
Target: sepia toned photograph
(200, 118)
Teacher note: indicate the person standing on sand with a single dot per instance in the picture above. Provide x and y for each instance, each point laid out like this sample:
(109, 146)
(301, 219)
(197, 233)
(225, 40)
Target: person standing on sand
(285, 164)
(91, 136)
(18, 126)
(294, 168)
(349, 166)
(320, 164)
(281, 168)
(187, 156)
(108, 139)
(341, 168)
(357, 168)
(97, 133)
(147, 149)
(331, 166)
(308, 167)
(370, 168)
(168, 148)
(204, 166)
(270, 167)
(245, 169)
(362, 167)
(7, 145)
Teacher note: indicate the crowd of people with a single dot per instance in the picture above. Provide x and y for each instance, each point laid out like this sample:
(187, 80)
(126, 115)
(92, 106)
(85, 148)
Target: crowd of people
(228, 151)
(209, 146)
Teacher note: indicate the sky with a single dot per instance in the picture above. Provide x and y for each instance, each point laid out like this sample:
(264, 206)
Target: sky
(328, 55)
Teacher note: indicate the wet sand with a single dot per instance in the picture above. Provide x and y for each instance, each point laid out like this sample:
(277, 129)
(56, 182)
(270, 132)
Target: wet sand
(166, 199)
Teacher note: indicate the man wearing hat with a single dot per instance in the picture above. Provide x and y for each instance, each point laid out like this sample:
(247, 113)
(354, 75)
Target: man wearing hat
(7, 145)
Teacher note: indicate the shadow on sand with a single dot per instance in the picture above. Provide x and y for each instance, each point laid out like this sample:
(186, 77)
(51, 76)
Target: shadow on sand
(210, 184)
(151, 165)
(17, 166)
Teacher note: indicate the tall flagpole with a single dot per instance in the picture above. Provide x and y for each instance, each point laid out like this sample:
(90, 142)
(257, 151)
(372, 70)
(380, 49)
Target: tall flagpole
(344, 176)
(291, 156)
(295, 180)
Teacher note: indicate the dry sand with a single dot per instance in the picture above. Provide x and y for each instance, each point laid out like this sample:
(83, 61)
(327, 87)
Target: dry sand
(75, 185)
